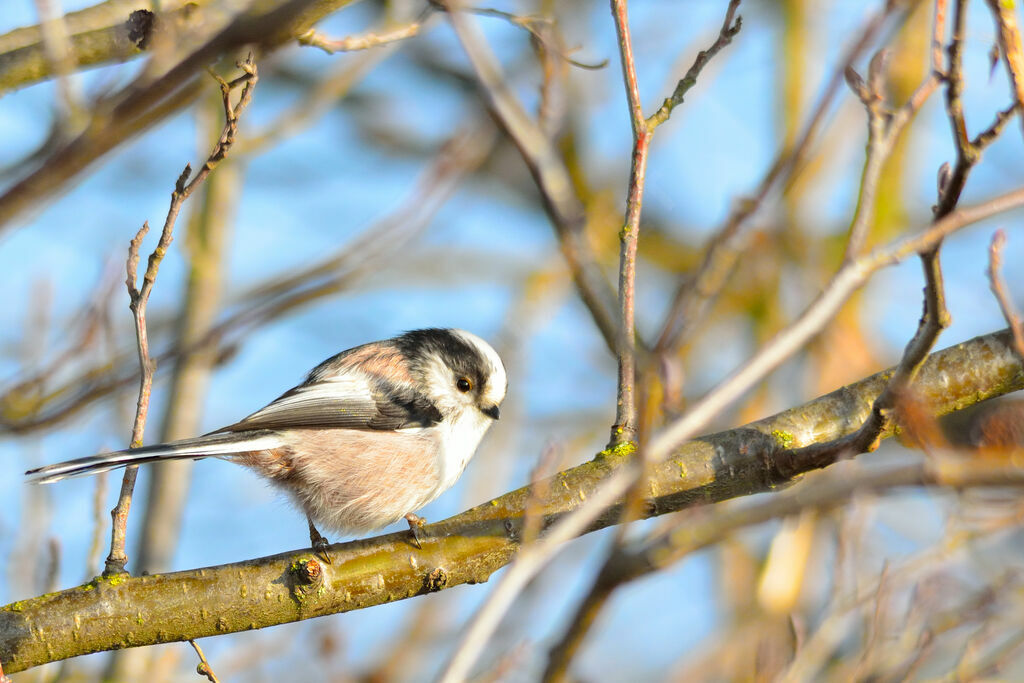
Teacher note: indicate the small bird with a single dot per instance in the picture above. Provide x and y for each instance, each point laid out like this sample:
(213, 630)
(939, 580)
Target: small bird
(372, 435)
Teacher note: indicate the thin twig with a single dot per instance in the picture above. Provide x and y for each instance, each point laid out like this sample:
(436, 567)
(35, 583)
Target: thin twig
(538, 27)
(364, 41)
(625, 427)
(139, 295)
(203, 668)
(725, 35)
(995, 263)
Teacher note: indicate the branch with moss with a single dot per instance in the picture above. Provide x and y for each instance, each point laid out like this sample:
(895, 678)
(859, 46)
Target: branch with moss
(119, 30)
(119, 612)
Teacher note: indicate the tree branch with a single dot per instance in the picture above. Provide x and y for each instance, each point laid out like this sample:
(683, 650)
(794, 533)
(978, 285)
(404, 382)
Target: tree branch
(467, 548)
(119, 30)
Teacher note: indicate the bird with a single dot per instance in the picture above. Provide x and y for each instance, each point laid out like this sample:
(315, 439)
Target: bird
(372, 435)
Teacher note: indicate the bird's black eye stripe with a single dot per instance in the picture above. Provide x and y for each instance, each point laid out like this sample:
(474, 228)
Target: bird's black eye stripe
(463, 384)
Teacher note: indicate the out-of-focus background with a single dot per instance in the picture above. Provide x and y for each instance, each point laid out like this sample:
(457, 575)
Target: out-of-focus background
(370, 193)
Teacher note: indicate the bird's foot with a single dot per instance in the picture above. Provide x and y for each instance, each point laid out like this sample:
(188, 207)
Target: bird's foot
(416, 524)
(319, 543)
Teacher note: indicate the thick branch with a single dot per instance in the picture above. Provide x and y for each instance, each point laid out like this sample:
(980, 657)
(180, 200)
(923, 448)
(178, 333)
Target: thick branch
(469, 547)
(116, 31)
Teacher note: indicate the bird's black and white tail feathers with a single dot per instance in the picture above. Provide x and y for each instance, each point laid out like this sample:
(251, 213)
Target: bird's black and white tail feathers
(220, 444)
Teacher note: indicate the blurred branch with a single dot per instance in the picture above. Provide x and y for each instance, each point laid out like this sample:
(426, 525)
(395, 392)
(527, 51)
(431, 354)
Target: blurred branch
(366, 40)
(469, 547)
(1008, 35)
(549, 173)
(699, 532)
(162, 88)
(696, 292)
(884, 129)
(995, 263)
(57, 50)
(23, 411)
(115, 30)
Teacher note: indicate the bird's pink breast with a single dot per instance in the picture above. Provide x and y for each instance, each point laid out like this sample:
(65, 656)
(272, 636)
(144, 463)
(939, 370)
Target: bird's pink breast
(353, 481)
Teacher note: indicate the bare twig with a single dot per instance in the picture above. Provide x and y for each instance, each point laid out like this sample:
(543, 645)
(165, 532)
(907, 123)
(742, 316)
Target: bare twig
(203, 668)
(625, 428)
(364, 41)
(139, 296)
(884, 129)
(995, 264)
(204, 239)
(728, 31)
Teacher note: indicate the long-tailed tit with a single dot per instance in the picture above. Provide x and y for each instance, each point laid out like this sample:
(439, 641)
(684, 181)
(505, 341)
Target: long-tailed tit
(372, 435)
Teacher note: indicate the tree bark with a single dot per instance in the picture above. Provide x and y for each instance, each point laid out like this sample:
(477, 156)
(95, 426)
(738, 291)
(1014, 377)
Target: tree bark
(108, 614)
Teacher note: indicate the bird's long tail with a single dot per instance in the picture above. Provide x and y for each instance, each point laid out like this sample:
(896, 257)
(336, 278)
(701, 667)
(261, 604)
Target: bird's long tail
(217, 444)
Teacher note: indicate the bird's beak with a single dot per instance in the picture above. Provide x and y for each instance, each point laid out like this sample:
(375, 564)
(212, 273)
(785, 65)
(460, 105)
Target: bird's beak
(491, 411)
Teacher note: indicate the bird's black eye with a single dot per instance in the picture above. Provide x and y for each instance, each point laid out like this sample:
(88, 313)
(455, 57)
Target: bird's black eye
(463, 384)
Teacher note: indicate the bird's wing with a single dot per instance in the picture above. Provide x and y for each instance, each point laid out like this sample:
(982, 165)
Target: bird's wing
(346, 401)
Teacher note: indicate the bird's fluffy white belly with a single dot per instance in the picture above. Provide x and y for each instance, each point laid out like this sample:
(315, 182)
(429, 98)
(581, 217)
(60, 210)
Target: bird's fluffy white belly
(358, 481)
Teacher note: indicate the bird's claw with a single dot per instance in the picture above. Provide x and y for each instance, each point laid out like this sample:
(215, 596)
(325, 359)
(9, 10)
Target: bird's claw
(416, 524)
(319, 544)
